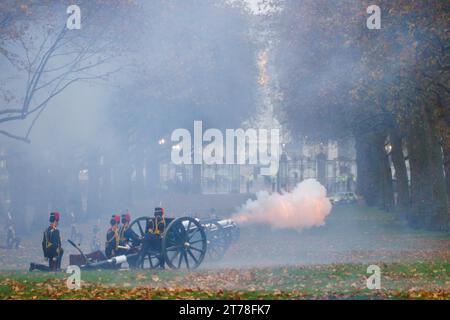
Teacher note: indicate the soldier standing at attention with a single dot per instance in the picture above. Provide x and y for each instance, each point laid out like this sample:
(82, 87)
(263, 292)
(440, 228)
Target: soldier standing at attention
(51, 245)
(112, 237)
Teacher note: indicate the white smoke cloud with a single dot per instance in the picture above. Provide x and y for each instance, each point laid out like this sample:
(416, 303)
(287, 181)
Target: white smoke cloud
(305, 207)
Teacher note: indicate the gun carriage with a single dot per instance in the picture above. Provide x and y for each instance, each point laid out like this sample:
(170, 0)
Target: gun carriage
(183, 242)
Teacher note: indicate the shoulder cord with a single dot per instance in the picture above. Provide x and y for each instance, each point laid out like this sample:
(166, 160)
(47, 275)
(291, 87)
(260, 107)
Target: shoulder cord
(122, 233)
(156, 225)
(48, 243)
(117, 238)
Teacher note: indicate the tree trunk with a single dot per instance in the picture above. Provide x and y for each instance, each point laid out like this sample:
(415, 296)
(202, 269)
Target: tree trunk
(439, 220)
(421, 193)
(443, 120)
(401, 175)
(446, 151)
(428, 186)
(383, 174)
(374, 173)
(17, 178)
(361, 166)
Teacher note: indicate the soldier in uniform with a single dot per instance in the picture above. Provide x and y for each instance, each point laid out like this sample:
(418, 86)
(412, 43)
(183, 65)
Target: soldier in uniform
(51, 246)
(127, 238)
(127, 235)
(112, 237)
(153, 236)
(160, 223)
(125, 219)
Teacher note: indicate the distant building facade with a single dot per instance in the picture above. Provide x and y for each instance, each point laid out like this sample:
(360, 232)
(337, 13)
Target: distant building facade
(333, 164)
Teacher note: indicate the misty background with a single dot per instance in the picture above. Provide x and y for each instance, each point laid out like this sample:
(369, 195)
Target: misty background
(86, 115)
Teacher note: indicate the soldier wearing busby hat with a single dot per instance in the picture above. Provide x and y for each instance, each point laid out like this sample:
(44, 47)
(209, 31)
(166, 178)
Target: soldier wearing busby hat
(125, 219)
(51, 246)
(127, 238)
(153, 236)
(112, 237)
(126, 234)
(159, 223)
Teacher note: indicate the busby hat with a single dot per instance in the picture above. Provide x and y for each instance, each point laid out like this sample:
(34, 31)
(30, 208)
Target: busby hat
(159, 211)
(115, 219)
(54, 216)
(126, 217)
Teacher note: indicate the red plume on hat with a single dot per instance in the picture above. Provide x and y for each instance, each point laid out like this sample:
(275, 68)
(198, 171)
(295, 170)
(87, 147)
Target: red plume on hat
(115, 219)
(126, 217)
(54, 216)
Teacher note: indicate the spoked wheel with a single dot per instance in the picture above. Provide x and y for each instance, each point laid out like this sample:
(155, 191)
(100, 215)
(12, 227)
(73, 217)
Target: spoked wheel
(217, 242)
(232, 234)
(151, 259)
(138, 226)
(236, 233)
(184, 243)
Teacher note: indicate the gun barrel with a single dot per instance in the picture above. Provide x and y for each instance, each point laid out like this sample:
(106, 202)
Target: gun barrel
(113, 261)
(215, 225)
(228, 226)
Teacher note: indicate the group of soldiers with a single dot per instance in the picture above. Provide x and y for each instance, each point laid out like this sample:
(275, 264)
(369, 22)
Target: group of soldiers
(119, 236)
(120, 239)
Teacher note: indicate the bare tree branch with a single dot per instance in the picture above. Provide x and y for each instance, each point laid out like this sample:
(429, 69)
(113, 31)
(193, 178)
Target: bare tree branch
(9, 135)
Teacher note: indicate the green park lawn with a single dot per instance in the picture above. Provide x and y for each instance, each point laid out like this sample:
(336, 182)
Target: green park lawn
(329, 262)
(426, 280)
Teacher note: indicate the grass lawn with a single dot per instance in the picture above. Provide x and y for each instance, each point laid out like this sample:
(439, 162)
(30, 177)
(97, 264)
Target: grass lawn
(329, 262)
(427, 280)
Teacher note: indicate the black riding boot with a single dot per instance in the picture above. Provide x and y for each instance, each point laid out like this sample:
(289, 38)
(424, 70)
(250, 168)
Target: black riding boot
(40, 267)
(59, 259)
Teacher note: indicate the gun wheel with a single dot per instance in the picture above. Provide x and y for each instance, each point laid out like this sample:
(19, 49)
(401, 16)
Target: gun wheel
(184, 243)
(217, 242)
(138, 226)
